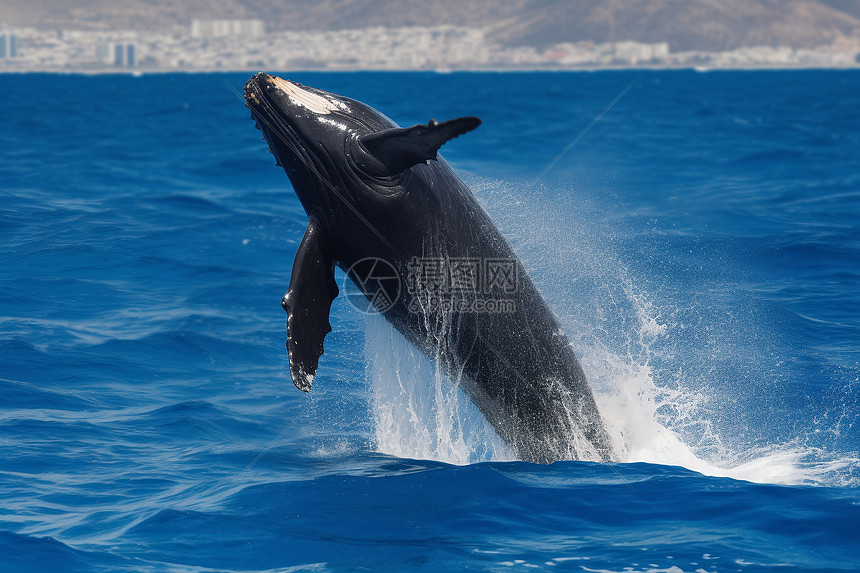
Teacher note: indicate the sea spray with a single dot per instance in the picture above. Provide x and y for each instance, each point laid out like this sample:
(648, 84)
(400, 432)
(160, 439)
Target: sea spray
(656, 408)
(418, 411)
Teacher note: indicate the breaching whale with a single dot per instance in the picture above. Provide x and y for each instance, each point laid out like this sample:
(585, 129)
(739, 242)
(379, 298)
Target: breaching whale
(388, 210)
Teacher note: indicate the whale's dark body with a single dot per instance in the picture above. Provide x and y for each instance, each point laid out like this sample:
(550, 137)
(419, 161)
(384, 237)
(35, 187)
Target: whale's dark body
(377, 192)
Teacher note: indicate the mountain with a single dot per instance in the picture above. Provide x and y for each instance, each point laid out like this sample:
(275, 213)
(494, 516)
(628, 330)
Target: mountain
(850, 7)
(707, 25)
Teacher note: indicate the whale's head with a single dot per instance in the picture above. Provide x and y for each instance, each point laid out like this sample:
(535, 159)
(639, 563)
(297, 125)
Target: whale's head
(338, 151)
(308, 132)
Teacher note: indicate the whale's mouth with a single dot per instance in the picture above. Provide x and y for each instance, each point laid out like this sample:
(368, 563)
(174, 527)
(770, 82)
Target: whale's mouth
(263, 110)
(273, 121)
(278, 108)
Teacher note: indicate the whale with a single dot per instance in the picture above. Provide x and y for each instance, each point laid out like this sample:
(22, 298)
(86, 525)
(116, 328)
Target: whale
(388, 210)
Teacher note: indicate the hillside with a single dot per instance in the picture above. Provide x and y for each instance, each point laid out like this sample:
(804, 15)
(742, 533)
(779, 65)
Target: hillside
(708, 25)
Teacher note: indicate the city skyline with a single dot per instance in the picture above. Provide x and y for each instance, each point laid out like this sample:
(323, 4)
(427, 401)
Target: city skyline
(516, 34)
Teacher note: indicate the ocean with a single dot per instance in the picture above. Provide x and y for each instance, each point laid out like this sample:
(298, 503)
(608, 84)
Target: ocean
(696, 233)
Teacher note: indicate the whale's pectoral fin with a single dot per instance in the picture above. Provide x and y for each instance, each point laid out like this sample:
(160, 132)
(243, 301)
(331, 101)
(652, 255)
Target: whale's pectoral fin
(400, 148)
(308, 302)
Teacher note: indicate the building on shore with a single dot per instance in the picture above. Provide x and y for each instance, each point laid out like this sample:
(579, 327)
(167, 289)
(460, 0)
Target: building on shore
(117, 54)
(222, 28)
(8, 45)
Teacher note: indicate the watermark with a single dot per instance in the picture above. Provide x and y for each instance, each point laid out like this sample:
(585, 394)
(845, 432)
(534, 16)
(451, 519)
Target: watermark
(434, 285)
(436, 304)
(372, 285)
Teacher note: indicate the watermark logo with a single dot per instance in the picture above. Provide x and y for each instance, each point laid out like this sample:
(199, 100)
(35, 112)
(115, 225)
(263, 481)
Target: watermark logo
(375, 285)
(462, 275)
(463, 285)
(434, 285)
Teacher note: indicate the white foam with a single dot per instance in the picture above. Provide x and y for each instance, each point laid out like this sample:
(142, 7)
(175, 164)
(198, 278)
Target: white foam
(418, 412)
(617, 330)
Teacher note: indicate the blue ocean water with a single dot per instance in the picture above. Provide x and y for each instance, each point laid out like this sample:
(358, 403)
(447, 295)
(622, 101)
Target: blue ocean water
(700, 244)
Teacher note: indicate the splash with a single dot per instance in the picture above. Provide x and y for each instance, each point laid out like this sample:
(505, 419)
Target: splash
(656, 395)
(418, 411)
(670, 424)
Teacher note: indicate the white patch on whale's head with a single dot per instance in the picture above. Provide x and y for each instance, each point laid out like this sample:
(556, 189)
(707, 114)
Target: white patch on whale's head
(311, 101)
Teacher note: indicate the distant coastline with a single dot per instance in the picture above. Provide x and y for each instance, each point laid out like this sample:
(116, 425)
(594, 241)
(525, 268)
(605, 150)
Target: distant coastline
(243, 45)
(488, 70)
